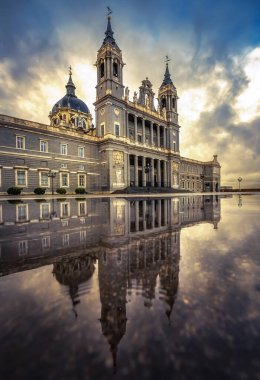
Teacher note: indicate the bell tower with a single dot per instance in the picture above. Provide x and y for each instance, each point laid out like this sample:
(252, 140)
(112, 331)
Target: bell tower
(168, 99)
(109, 66)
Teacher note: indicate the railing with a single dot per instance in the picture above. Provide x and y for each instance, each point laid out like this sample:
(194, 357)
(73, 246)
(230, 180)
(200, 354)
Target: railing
(131, 142)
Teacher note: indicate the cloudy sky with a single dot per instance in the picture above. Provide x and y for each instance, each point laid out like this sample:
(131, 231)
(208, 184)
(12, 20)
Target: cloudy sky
(214, 48)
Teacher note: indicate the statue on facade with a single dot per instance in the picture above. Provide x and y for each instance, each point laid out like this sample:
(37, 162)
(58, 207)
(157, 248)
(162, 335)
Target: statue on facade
(135, 97)
(126, 93)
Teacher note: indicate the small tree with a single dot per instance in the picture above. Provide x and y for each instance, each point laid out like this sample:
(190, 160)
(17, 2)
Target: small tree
(61, 190)
(80, 190)
(14, 190)
(39, 191)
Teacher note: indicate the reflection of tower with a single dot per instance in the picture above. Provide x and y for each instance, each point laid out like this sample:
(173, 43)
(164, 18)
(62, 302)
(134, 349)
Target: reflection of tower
(73, 271)
(211, 206)
(112, 271)
(169, 273)
(144, 267)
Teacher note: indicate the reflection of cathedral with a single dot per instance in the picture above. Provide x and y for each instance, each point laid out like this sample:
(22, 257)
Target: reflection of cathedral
(137, 248)
(134, 143)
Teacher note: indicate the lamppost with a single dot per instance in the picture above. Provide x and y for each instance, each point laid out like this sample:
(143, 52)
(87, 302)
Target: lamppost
(147, 171)
(52, 175)
(239, 181)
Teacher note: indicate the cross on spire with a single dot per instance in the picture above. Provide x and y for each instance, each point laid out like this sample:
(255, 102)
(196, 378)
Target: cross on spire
(109, 11)
(70, 85)
(167, 59)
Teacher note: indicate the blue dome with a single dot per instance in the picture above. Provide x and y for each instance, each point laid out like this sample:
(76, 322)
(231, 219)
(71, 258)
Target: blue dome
(72, 102)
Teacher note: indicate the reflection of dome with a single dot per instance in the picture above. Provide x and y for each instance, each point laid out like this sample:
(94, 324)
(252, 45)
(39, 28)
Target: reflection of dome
(72, 271)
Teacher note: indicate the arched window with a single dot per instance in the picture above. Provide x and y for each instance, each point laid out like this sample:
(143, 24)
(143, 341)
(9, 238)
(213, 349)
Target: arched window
(115, 69)
(84, 124)
(173, 103)
(102, 69)
(163, 102)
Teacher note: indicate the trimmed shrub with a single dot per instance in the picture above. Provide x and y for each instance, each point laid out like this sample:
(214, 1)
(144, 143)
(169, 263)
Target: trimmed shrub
(39, 191)
(80, 190)
(61, 190)
(14, 190)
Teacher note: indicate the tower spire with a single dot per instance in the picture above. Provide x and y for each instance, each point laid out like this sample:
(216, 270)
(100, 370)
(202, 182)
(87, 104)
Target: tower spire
(109, 32)
(70, 86)
(167, 76)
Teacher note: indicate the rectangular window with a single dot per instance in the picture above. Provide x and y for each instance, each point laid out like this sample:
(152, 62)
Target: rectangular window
(22, 247)
(21, 213)
(1, 214)
(46, 242)
(66, 240)
(64, 149)
(64, 210)
(117, 130)
(82, 180)
(44, 179)
(139, 138)
(20, 142)
(82, 236)
(45, 211)
(81, 151)
(64, 179)
(0, 177)
(21, 177)
(44, 146)
(82, 208)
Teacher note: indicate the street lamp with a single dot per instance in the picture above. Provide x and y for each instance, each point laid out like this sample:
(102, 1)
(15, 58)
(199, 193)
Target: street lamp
(147, 171)
(52, 175)
(239, 181)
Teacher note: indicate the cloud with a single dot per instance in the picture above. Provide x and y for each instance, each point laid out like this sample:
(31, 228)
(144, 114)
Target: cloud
(214, 65)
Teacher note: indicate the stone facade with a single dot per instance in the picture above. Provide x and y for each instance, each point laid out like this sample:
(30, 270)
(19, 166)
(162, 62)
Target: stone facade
(133, 144)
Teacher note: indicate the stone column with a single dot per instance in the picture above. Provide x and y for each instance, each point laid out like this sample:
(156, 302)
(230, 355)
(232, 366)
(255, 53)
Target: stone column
(165, 177)
(158, 135)
(127, 126)
(164, 137)
(135, 121)
(128, 179)
(159, 173)
(143, 172)
(136, 216)
(136, 170)
(151, 126)
(152, 172)
(159, 213)
(153, 213)
(143, 126)
(144, 215)
(166, 212)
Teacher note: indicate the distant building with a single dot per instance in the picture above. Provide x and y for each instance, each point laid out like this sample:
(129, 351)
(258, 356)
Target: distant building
(132, 144)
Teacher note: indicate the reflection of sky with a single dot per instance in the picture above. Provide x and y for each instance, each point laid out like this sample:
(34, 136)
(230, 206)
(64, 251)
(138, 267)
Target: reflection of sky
(214, 326)
(214, 47)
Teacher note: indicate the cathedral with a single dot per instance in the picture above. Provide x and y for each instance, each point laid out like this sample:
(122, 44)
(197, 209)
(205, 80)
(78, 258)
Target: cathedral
(133, 144)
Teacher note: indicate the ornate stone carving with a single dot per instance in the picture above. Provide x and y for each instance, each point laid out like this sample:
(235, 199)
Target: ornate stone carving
(118, 157)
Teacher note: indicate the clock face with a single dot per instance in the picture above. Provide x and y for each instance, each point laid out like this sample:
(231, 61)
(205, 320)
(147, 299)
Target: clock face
(102, 111)
(116, 111)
